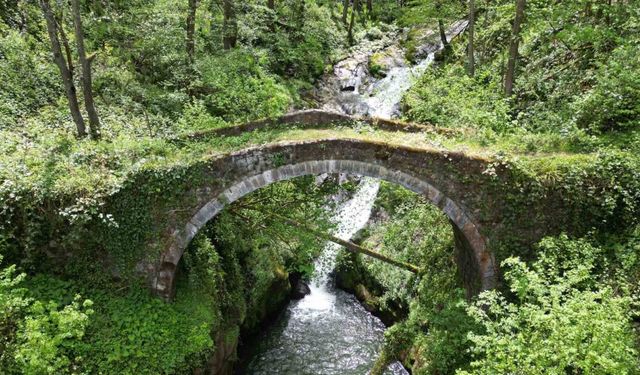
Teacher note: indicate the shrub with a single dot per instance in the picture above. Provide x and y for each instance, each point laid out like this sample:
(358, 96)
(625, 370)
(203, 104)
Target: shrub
(614, 103)
(236, 87)
(28, 79)
(48, 337)
(561, 320)
(448, 97)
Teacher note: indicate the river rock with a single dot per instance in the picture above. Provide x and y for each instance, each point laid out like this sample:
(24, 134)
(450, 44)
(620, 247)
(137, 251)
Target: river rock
(381, 62)
(299, 290)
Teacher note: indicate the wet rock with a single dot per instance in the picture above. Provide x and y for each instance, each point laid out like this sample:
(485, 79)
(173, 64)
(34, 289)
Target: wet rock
(299, 290)
(381, 62)
(369, 301)
(223, 358)
(359, 108)
(370, 82)
(351, 73)
(299, 287)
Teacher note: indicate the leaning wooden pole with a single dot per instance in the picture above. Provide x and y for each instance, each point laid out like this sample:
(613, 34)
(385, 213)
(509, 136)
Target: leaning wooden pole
(350, 246)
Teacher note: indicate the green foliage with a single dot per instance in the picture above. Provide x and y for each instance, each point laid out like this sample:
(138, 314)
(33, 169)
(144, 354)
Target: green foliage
(614, 102)
(249, 225)
(376, 65)
(13, 304)
(304, 51)
(422, 11)
(561, 320)
(47, 337)
(196, 117)
(444, 347)
(235, 86)
(27, 83)
(433, 337)
(417, 233)
(38, 337)
(577, 69)
(448, 97)
(577, 90)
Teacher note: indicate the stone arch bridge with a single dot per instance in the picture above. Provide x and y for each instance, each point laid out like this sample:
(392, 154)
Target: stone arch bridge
(456, 182)
(439, 176)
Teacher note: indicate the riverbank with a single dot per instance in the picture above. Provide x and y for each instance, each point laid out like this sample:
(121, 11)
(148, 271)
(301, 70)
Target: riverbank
(407, 227)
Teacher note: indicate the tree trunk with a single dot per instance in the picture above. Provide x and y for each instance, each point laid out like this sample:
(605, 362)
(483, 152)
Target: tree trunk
(472, 24)
(65, 44)
(513, 48)
(230, 25)
(369, 7)
(299, 20)
(94, 121)
(345, 11)
(191, 30)
(443, 33)
(352, 21)
(67, 77)
(271, 4)
(350, 246)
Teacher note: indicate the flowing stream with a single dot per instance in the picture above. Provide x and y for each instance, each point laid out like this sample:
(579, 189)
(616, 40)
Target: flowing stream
(329, 332)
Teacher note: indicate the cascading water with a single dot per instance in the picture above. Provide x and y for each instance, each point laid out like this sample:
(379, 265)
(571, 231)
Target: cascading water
(352, 90)
(329, 332)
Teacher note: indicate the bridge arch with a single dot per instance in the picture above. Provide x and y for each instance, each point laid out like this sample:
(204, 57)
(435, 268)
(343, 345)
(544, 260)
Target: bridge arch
(262, 166)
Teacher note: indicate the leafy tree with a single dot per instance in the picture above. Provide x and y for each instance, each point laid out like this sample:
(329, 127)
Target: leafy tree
(562, 320)
(440, 11)
(65, 65)
(85, 62)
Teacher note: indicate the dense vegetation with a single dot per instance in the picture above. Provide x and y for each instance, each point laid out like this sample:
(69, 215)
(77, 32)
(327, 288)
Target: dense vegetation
(93, 92)
(234, 275)
(571, 310)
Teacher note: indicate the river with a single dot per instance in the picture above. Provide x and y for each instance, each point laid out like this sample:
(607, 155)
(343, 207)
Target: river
(329, 332)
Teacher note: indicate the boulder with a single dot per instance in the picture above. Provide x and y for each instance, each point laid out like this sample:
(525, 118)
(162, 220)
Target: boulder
(299, 290)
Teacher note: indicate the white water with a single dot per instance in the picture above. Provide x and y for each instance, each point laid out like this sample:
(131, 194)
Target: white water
(380, 97)
(350, 218)
(387, 93)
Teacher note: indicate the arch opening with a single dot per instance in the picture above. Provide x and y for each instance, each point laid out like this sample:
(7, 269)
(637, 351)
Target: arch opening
(472, 251)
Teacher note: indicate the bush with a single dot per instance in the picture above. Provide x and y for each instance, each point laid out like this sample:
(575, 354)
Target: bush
(27, 82)
(38, 337)
(48, 337)
(561, 322)
(236, 87)
(448, 97)
(614, 103)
